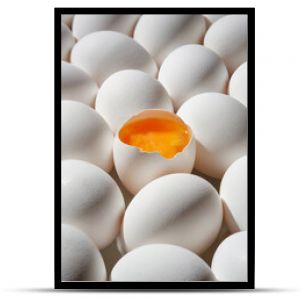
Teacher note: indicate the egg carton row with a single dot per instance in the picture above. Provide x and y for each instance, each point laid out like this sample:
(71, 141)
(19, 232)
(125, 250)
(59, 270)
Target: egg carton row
(101, 45)
(176, 209)
(113, 75)
(127, 92)
(157, 262)
(208, 133)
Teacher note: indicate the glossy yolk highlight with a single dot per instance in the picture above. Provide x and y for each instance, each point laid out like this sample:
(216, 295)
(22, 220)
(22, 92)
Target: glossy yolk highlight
(168, 137)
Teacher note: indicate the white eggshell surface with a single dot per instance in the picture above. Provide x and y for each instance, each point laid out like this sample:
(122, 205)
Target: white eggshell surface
(230, 261)
(103, 53)
(80, 258)
(85, 24)
(180, 209)
(228, 37)
(67, 19)
(127, 93)
(190, 70)
(91, 201)
(213, 18)
(238, 84)
(136, 168)
(161, 262)
(85, 135)
(77, 85)
(67, 42)
(219, 124)
(233, 190)
(161, 34)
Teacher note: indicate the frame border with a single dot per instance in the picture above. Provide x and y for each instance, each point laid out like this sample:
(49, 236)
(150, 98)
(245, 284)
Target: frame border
(154, 286)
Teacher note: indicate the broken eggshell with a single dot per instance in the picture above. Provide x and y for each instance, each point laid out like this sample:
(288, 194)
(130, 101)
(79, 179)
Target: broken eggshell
(136, 168)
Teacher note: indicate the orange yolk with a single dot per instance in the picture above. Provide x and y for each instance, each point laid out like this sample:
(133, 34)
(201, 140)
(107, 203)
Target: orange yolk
(168, 137)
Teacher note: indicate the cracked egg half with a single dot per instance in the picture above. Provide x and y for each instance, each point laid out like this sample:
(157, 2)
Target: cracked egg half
(151, 144)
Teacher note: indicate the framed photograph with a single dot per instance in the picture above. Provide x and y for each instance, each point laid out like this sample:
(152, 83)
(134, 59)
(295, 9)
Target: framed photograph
(154, 148)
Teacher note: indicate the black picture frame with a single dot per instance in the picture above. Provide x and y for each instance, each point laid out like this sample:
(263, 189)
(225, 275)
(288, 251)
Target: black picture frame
(152, 286)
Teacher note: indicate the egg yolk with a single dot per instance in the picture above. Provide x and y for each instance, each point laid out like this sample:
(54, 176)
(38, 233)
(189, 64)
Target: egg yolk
(166, 136)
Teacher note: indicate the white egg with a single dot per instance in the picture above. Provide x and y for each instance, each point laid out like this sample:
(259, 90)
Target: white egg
(151, 144)
(238, 84)
(85, 135)
(228, 37)
(85, 24)
(77, 85)
(91, 201)
(161, 262)
(67, 42)
(67, 19)
(219, 124)
(103, 53)
(230, 261)
(161, 34)
(190, 70)
(179, 209)
(233, 190)
(80, 258)
(127, 93)
(213, 18)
